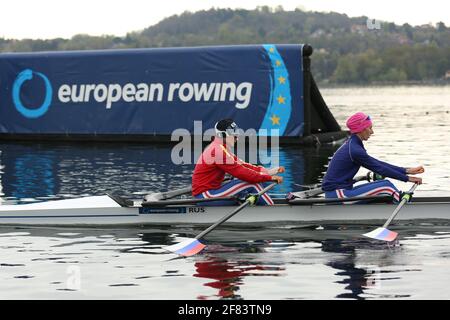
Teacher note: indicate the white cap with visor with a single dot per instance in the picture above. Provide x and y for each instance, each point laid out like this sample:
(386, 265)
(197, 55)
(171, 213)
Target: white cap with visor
(226, 127)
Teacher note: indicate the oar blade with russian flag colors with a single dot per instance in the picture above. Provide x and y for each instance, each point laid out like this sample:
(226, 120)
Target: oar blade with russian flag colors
(382, 234)
(186, 248)
(193, 246)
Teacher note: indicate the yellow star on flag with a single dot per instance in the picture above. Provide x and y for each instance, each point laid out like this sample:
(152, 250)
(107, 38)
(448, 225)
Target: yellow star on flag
(275, 120)
(281, 99)
(281, 79)
(271, 50)
(278, 63)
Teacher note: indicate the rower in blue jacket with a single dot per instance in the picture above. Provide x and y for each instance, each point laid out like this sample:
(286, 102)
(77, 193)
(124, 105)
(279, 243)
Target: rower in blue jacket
(348, 159)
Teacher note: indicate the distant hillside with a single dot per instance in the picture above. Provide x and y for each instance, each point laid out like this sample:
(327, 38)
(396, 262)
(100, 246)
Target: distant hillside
(347, 50)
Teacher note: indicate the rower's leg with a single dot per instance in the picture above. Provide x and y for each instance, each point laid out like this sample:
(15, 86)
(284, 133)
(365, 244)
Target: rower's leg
(380, 187)
(332, 194)
(215, 203)
(254, 188)
(237, 188)
(228, 189)
(265, 199)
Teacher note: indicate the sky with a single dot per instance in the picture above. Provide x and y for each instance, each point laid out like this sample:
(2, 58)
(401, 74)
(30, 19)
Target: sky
(47, 19)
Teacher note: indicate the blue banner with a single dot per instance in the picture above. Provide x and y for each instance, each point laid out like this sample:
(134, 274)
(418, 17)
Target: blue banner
(152, 91)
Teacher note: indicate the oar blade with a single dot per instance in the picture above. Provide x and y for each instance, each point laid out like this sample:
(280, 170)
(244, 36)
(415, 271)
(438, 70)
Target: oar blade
(186, 248)
(382, 234)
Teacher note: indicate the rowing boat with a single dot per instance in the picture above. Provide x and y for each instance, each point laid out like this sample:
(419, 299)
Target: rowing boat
(113, 210)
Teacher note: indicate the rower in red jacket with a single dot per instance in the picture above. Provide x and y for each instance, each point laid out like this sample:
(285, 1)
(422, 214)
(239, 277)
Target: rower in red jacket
(217, 159)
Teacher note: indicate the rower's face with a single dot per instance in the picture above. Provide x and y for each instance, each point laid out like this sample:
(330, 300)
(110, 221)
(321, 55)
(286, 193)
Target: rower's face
(366, 133)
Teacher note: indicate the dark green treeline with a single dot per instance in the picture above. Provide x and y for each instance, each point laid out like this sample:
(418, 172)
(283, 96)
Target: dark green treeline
(347, 50)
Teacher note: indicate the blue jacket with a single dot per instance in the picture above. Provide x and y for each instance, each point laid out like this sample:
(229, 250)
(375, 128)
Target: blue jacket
(348, 159)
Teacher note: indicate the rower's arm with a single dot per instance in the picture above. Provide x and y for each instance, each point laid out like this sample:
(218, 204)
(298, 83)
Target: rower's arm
(250, 166)
(399, 169)
(379, 167)
(239, 170)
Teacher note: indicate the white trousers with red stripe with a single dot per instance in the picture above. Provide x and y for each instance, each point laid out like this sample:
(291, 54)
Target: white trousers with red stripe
(236, 188)
(380, 187)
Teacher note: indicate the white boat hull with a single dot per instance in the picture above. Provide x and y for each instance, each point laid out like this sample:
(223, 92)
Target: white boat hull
(102, 210)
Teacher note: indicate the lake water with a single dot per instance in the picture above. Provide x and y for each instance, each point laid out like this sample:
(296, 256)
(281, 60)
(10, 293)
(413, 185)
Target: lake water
(412, 126)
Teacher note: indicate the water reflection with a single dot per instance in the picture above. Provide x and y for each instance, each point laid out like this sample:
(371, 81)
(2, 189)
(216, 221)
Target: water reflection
(301, 263)
(33, 174)
(229, 275)
(356, 279)
(226, 278)
(361, 266)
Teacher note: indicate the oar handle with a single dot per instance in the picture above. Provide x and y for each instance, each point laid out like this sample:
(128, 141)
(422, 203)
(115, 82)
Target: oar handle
(251, 199)
(370, 176)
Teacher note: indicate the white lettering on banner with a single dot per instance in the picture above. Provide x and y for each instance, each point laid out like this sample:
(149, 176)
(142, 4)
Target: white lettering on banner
(217, 92)
(232, 91)
(204, 92)
(244, 93)
(114, 94)
(172, 88)
(89, 88)
(64, 93)
(77, 97)
(153, 88)
(103, 89)
(129, 91)
(186, 96)
(143, 92)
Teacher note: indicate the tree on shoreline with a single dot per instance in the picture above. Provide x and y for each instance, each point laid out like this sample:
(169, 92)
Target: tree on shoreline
(346, 49)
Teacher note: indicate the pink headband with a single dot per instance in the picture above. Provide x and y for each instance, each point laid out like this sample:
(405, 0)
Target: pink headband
(358, 122)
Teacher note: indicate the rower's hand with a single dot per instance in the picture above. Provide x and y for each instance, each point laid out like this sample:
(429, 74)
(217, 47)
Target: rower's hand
(277, 179)
(274, 171)
(415, 170)
(417, 180)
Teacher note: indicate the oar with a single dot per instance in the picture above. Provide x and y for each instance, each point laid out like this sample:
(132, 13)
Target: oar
(193, 246)
(383, 233)
(165, 203)
(157, 196)
(377, 199)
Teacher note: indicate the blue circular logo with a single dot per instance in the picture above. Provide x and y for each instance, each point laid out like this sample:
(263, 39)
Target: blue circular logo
(25, 75)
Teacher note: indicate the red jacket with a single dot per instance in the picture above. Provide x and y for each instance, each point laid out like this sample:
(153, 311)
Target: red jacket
(215, 161)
